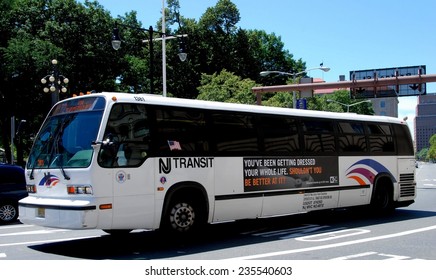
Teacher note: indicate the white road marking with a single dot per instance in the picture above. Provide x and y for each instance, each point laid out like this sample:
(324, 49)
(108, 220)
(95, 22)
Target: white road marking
(47, 241)
(15, 226)
(394, 257)
(334, 245)
(356, 256)
(332, 235)
(385, 256)
(294, 232)
(33, 232)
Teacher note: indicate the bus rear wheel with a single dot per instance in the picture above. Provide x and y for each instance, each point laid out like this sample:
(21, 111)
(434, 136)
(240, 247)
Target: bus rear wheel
(382, 201)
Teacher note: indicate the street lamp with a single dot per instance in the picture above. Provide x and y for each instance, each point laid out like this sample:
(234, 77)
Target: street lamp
(348, 105)
(116, 44)
(55, 83)
(294, 75)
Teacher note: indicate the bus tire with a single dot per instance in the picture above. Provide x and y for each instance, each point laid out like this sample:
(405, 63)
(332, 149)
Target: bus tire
(183, 215)
(382, 201)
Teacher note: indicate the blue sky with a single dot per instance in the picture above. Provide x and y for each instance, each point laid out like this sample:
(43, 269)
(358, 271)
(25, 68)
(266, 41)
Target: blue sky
(344, 35)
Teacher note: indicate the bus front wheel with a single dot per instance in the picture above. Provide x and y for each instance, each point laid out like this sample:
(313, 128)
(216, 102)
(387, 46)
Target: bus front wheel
(182, 216)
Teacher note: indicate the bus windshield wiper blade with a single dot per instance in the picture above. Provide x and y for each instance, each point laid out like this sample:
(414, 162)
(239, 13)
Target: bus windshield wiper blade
(66, 177)
(36, 158)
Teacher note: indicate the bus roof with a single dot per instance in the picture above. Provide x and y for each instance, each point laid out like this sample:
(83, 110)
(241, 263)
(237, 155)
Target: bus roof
(215, 105)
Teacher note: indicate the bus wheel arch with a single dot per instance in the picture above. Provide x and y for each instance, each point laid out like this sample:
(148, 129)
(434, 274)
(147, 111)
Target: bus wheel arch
(382, 199)
(186, 208)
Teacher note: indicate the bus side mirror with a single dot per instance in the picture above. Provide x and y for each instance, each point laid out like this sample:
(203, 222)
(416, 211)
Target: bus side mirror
(109, 141)
(106, 142)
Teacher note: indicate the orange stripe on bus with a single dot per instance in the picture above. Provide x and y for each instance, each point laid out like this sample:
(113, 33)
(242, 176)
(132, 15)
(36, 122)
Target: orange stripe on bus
(358, 179)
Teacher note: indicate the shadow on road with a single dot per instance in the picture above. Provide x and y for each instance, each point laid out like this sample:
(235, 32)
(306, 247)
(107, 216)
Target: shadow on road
(155, 245)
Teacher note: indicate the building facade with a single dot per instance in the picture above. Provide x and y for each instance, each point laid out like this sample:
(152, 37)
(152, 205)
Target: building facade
(425, 120)
(386, 106)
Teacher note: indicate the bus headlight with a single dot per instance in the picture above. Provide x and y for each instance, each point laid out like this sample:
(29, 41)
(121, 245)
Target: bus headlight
(79, 189)
(31, 188)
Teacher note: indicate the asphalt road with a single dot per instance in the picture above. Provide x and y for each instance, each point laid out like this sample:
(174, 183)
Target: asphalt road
(407, 234)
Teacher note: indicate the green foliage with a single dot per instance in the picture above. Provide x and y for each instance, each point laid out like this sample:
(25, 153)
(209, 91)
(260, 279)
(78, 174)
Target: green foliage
(343, 96)
(422, 155)
(33, 32)
(428, 154)
(226, 87)
(431, 154)
(279, 99)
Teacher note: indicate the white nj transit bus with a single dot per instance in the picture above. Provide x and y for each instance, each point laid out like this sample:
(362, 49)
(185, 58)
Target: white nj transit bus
(120, 162)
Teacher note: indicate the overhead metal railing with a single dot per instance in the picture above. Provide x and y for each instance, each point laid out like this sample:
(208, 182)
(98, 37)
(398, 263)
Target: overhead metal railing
(367, 83)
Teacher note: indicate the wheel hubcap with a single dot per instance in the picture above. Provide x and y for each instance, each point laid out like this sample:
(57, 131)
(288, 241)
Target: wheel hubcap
(182, 217)
(7, 213)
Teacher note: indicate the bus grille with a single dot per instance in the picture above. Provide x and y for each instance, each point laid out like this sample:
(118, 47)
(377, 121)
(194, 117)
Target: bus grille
(407, 185)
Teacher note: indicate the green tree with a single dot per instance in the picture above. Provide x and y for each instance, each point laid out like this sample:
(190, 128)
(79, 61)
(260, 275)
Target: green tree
(279, 99)
(431, 154)
(37, 31)
(319, 102)
(5, 87)
(422, 155)
(33, 32)
(226, 87)
(216, 43)
(218, 26)
(342, 96)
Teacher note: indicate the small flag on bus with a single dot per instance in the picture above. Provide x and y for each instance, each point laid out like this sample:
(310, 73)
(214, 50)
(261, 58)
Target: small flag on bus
(174, 145)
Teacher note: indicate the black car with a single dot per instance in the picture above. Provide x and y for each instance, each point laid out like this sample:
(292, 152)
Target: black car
(12, 189)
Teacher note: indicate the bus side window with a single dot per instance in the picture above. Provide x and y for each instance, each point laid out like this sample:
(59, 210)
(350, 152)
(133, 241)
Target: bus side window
(318, 136)
(128, 133)
(181, 131)
(351, 137)
(381, 139)
(280, 134)
(234, 133)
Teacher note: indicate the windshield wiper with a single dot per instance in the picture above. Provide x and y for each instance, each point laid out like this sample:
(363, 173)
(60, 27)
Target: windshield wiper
(57, 143)
(36, 158)
(59, 158)
(61, 166)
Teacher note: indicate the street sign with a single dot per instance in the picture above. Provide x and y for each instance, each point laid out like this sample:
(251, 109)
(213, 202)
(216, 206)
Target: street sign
(388, 91)
(302, 103)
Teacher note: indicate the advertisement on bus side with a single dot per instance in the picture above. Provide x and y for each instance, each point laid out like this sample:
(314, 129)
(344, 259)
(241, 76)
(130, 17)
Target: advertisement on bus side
(289, 173)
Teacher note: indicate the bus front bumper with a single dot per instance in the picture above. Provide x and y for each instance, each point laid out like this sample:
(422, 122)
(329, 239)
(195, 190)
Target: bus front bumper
(57, 213)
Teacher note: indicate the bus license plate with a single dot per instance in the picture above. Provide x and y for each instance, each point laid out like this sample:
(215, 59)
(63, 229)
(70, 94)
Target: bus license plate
(40, 213)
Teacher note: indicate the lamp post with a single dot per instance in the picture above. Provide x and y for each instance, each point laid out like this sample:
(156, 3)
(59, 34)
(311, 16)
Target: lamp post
(182, 54)
(348, 105)
(55, 83)
(116, 44)
(294, 75)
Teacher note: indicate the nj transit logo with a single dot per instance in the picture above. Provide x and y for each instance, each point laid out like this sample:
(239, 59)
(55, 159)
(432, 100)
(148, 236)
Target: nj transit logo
(365, 170)
(49, 180)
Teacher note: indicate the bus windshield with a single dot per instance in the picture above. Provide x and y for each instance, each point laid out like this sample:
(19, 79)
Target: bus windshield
(66, 136)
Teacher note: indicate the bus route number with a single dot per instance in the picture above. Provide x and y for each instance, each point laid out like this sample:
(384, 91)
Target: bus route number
(139, 98)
